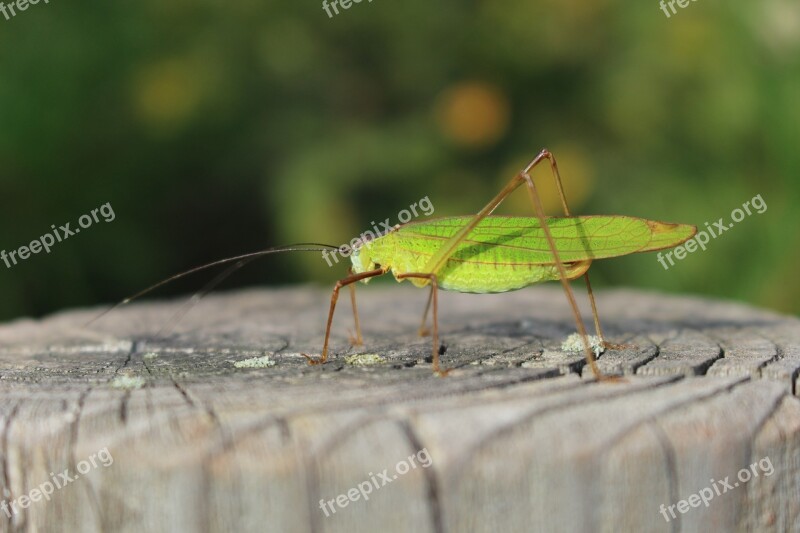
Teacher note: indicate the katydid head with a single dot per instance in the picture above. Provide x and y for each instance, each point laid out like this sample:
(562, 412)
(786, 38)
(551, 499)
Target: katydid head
(370, 253)
(361, 256)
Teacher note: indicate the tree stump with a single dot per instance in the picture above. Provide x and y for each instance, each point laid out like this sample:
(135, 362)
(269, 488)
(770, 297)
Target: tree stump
(703, 433)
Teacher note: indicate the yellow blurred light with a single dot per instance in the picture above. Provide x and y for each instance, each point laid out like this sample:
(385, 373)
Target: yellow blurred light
(473, 113)
(167, 94)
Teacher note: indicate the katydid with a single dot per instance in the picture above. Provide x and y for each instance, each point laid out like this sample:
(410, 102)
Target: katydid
(483, 253)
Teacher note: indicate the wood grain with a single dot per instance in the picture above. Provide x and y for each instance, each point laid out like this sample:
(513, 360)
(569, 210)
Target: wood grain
(519, 436)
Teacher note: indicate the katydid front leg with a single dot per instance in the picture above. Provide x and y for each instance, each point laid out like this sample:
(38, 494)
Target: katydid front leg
(334, 297)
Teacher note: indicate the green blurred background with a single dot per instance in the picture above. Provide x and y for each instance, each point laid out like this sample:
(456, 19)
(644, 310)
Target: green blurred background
(219, 128)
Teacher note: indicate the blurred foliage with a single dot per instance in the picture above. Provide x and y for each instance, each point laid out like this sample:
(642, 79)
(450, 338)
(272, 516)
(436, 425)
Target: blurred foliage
(220, 128)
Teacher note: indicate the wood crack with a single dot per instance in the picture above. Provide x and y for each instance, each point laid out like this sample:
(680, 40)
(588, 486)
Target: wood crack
(73, 442)
(8, 493)
(432, 496)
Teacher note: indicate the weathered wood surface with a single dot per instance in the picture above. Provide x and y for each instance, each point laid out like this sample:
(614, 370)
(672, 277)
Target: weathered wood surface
(519, 437)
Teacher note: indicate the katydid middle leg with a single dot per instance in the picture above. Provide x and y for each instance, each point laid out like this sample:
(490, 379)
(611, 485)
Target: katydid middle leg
(356, 340)
(433, 298)
(423, 330)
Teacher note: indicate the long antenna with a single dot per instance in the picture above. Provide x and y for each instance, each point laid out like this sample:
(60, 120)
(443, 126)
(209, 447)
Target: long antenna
(243, 259)
(199, 295)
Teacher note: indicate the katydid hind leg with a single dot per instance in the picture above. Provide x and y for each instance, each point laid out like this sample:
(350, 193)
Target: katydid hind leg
(546, 154)
(596, 317)
(439, 259)
(537, 207)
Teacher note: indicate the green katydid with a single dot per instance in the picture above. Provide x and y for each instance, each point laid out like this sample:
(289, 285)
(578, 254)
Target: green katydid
(483, 253)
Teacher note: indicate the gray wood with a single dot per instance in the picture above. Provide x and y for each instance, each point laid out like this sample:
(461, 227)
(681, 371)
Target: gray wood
(520, 437)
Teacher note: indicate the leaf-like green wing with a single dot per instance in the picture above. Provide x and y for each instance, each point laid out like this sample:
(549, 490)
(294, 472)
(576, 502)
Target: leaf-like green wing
(521, 240)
